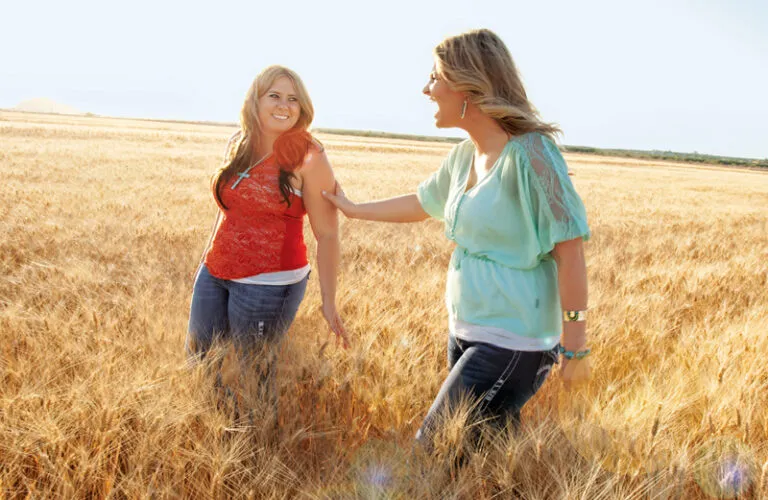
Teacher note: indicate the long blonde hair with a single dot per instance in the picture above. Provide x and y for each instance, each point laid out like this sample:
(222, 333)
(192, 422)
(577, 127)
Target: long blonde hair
(240, 147)
(479, 64)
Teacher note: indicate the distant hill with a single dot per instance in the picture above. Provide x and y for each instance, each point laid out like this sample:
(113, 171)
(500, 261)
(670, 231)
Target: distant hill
(45, 105)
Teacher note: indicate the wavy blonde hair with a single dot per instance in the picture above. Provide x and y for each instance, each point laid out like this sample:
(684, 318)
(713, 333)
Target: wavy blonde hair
(479, 64)
(240, 147)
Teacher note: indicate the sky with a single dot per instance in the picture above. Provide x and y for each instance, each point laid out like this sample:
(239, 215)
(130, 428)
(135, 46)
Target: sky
(678, 75)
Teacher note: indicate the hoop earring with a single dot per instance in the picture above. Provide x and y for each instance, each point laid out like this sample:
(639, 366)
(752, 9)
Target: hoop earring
(464, 108)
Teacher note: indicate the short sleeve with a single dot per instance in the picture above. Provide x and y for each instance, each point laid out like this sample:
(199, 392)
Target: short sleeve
(558, 211)
(433, 192)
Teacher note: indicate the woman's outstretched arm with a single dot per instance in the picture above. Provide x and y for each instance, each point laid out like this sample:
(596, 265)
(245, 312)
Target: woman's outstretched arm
(404, 208)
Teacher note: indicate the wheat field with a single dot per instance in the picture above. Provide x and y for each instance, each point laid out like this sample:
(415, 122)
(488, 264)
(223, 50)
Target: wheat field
(103, 222)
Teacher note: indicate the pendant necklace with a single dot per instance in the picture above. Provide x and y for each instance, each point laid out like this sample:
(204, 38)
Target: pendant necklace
(244, 174)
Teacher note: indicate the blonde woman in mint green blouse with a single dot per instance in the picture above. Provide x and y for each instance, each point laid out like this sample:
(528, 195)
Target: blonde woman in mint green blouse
(517, 287)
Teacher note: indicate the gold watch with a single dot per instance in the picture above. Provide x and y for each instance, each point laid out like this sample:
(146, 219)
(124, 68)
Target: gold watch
(574, 315)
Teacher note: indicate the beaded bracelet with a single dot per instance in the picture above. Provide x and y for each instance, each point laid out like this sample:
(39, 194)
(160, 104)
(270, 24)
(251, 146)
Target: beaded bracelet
(574, 355)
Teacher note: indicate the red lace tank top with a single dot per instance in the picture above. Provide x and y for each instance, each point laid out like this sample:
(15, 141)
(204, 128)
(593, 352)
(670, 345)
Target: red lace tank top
(258, 232)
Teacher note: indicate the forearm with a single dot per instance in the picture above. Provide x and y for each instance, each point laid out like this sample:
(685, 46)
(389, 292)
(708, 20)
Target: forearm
(572, 281)
(328, 252)
(404, 208)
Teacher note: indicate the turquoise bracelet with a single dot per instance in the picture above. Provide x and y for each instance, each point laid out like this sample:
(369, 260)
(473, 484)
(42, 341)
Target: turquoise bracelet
(574, 355)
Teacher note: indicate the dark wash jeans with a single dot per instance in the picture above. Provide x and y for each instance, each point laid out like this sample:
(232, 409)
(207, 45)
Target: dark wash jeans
(500, 381)
(253, 318)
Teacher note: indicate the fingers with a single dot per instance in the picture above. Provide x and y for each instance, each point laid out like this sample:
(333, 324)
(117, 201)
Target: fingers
(340, 331)
(336, 195)
(337, 327)
(330, 197)
(575, 373)
(336, 200)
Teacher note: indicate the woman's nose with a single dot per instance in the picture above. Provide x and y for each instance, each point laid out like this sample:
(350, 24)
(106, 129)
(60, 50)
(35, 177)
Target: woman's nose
(425, 90)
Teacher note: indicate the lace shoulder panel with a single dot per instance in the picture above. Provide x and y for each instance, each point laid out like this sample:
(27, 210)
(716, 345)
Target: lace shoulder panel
(549, 177)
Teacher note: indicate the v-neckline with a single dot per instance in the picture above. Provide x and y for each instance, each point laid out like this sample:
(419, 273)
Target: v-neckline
(488, 173)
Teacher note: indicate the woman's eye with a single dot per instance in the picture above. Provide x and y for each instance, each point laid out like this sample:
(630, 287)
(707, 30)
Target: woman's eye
(274, 96)
(293, 99)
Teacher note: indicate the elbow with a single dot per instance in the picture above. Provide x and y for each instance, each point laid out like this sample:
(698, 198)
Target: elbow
(569, 254)
(571, 261)
(327, 237)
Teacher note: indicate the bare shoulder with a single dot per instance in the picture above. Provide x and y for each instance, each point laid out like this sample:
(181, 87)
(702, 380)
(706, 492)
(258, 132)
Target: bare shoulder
(316, 172)
(316, 157)
(316, 144)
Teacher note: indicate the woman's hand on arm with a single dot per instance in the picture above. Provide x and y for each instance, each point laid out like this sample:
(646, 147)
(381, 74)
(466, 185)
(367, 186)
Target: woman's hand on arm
(404, 208)
(572, 281)
(317, 176)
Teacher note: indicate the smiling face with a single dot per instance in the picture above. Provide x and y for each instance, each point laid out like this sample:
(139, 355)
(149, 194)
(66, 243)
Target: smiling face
(449, 102)
(279, 108)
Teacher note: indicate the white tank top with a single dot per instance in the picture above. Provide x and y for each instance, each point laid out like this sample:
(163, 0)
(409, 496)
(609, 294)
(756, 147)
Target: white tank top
(277, 278)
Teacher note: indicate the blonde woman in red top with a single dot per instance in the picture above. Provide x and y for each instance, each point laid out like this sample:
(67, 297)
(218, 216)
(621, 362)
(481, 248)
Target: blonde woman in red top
(255, 269)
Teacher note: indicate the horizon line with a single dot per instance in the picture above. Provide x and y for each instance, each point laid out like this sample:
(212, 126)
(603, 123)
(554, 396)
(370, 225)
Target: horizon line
(689, 157)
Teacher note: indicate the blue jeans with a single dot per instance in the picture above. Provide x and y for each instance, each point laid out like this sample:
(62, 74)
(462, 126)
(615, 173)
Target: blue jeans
(240, 313)
(253, 319)
(500, 381)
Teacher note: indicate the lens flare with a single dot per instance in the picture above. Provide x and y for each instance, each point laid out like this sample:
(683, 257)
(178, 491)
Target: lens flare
(585, 416)
(378, 475)
(724, 468)
(378, 467)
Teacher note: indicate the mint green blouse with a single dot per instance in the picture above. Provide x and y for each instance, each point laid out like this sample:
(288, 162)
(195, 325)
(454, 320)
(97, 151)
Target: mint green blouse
(501, 273)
